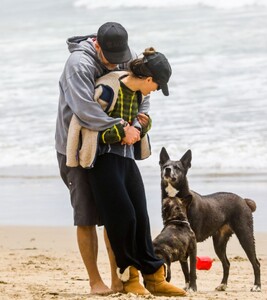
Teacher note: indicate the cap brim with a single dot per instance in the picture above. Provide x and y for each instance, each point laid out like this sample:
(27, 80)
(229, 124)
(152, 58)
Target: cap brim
(165, 89)
(117, 57)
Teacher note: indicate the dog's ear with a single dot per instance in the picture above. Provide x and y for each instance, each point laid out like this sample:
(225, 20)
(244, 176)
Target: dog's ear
(163, 157)
(186, 159)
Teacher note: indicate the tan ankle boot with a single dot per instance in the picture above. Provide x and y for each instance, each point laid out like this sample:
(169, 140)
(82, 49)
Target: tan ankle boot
(131, 284)
(158, 286)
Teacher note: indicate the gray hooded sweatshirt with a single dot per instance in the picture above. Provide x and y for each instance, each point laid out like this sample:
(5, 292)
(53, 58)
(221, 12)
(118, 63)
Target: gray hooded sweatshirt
(76, 87)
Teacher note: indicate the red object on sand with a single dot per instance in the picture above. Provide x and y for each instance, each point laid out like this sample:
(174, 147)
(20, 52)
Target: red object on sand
(203, 263)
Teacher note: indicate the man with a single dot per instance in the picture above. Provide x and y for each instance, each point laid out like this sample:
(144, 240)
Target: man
(91, 57)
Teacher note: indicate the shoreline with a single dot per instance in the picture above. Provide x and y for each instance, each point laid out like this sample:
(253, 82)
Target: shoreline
(51, 171)
(38, 197)
(44, 263)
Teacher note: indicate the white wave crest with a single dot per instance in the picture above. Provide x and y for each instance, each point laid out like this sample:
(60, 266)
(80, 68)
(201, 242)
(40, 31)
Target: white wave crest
(167, 3)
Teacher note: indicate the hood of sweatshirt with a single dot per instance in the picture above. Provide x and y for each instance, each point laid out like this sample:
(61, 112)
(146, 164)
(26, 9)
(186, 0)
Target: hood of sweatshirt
(81, 43)
(84, 45)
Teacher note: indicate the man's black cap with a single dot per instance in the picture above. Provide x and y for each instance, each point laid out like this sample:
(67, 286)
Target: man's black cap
(113, 40)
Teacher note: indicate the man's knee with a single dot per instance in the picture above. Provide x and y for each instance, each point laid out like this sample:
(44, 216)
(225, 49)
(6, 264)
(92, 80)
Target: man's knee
(87, 231)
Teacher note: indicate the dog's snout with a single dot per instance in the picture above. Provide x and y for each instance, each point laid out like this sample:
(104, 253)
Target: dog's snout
(168, 171)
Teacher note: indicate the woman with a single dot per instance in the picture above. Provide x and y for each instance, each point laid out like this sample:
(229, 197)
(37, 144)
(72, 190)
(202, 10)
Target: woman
(116, 181)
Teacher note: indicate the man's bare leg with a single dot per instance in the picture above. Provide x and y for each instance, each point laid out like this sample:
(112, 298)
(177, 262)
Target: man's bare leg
(116, 284)
(88, 245)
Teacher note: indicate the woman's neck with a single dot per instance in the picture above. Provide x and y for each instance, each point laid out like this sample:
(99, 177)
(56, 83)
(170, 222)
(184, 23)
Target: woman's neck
(131, 83)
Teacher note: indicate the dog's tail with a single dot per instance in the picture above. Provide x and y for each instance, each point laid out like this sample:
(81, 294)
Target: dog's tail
(251, 204)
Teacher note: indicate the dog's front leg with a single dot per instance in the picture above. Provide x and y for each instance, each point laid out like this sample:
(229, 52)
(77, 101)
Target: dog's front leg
(193, 273)
(184, 266)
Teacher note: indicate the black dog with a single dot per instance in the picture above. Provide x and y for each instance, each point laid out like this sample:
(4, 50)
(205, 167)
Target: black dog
(177, 241)
(218, 215)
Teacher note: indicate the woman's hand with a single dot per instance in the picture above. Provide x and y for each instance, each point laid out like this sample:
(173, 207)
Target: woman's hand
(143, 119)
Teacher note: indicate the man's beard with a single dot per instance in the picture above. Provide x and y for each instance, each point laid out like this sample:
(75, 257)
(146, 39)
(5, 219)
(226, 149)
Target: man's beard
(109, 66)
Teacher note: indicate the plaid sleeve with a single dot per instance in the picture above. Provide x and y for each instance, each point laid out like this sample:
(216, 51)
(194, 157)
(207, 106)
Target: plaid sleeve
(112, 135)
(147, 128)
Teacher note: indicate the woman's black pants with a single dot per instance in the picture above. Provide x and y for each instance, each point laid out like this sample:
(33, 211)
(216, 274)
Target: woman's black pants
(120, 199)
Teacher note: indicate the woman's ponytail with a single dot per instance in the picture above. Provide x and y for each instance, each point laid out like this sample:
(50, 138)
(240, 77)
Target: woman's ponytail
(138, 66)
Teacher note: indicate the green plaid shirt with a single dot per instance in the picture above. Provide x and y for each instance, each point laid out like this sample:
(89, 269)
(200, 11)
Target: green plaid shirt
(126, 107)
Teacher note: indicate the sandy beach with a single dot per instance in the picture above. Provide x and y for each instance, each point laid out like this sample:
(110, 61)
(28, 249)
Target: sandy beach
(41, 260)
(44, 263)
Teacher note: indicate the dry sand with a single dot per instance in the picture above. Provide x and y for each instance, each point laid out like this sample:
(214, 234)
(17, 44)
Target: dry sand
(44, 263)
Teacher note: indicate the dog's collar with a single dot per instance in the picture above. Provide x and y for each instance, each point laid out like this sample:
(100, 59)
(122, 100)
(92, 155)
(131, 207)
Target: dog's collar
(178, 222)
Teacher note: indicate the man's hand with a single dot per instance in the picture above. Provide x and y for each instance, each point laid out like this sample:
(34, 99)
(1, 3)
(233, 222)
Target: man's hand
(132, 135)
(143, 119)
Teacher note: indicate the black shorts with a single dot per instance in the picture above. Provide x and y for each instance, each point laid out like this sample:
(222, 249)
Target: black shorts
(82, 200)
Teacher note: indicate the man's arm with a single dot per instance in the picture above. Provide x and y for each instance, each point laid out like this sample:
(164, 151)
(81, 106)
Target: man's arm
(79, 96)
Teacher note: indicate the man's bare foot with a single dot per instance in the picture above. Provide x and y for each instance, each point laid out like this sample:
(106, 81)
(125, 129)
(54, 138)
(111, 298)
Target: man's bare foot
(100, 288)
(117, 286)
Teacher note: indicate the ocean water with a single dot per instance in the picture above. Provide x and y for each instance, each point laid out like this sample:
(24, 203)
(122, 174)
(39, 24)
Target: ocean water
(218, 91)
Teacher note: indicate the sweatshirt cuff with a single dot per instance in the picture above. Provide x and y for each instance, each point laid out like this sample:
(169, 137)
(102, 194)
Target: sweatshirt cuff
(120, 129)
